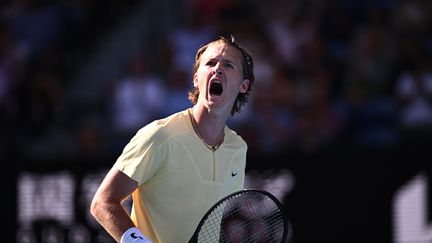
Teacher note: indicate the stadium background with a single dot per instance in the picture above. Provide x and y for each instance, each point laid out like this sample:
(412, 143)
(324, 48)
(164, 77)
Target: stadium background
(338, 123)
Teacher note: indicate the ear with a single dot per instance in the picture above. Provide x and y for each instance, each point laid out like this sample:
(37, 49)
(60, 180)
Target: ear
(244, 86)
(195, 81)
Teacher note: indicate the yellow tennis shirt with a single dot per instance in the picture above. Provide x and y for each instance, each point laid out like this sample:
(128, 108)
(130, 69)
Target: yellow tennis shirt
(179, 177)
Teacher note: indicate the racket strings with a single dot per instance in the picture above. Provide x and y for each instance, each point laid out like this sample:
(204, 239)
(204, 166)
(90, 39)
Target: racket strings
(260, 235)
(244, 218)
(262, 229)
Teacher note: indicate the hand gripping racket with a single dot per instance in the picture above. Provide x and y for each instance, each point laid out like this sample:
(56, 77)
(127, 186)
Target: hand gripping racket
(245, 216)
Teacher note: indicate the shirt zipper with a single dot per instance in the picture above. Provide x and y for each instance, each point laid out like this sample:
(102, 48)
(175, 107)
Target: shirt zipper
(214, 162)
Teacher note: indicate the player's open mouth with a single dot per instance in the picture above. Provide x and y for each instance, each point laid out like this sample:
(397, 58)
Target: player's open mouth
(216, 89)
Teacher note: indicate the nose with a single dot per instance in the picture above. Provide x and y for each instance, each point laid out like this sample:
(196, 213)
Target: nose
(218, 69)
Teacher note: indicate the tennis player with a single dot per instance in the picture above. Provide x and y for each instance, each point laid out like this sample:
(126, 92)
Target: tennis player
(176, 168)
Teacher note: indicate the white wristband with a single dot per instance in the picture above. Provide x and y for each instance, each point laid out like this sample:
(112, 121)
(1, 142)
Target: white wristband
(134, 235)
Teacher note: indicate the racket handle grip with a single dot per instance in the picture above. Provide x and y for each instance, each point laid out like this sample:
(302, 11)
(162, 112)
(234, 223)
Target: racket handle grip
(134, 235)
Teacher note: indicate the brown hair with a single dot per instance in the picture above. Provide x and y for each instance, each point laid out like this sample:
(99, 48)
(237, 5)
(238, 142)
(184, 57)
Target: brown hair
(247, 64)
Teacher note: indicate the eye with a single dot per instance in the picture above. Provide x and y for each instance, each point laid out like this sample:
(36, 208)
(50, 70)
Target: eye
(229, 65)
(211, 63)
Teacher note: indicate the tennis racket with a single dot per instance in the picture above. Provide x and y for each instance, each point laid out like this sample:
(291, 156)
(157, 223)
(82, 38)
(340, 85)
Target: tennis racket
(249, 215)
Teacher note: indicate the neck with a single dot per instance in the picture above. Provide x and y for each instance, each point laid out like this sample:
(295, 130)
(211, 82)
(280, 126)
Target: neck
(208, 126)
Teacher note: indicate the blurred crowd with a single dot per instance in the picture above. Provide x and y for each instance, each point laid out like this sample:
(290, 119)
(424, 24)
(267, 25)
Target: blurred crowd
(330, 74)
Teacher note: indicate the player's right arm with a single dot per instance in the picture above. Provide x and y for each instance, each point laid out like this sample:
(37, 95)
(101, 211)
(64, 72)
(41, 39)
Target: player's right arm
(106, 206)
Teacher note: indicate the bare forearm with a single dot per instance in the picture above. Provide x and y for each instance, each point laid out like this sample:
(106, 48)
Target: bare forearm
(106, 206)
(114, 219)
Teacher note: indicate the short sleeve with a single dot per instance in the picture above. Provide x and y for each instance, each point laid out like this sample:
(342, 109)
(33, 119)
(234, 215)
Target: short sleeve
(142, 157)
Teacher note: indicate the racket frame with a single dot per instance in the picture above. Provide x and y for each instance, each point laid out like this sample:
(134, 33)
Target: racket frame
(194, 237)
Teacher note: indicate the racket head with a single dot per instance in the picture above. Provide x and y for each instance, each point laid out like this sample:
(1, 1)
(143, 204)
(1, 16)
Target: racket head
(249, 215)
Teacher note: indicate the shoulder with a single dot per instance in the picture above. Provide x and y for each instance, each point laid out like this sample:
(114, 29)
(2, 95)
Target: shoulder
(165, 128)
(152, 136)
(233, 137)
